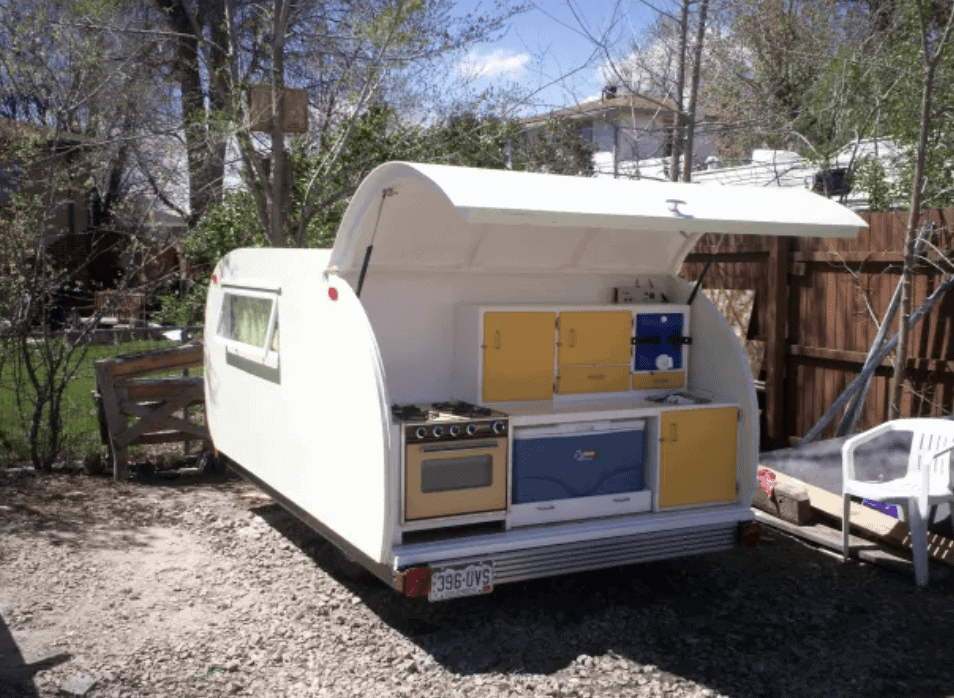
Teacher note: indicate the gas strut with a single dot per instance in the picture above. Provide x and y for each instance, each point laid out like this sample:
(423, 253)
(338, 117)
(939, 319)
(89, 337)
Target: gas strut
(385, 193)
(705, 269)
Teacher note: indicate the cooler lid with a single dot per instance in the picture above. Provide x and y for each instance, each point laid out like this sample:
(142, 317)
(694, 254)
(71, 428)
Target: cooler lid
(578, 429)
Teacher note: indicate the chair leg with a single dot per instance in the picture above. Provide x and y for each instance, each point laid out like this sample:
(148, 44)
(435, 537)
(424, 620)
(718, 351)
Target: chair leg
(845, 526)
(917, 521)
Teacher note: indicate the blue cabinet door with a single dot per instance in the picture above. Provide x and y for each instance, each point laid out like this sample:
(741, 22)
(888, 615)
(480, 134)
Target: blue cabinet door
(659, 341)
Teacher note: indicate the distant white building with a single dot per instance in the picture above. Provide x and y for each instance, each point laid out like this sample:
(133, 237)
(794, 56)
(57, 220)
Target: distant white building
(631, 133)
(782, 168)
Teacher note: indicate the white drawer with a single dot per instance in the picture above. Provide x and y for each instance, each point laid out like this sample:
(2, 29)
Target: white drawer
(580, 508)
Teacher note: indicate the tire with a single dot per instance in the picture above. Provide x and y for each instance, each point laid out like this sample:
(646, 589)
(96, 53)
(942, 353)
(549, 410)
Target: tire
(213, 465)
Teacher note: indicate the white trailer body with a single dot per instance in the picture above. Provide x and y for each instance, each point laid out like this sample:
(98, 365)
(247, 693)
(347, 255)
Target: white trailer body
(453, 264)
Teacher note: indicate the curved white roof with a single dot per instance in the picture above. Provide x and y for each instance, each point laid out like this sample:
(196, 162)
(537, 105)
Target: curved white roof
(438, 217)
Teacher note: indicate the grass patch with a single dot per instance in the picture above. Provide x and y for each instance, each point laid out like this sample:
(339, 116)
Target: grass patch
(80, 425)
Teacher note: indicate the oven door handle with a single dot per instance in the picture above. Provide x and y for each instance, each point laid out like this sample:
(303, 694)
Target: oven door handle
(466, 446)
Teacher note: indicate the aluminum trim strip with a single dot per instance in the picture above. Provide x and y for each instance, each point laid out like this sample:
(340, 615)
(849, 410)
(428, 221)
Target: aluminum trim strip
(531, 563)
(591, 532)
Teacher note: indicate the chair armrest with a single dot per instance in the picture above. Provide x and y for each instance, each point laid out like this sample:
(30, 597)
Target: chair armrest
(849, 447)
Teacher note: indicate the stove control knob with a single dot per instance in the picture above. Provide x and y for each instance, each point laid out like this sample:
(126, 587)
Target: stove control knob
(471, 429)
(498, 427)
(420, 432)
(438, 431)
(454, 430)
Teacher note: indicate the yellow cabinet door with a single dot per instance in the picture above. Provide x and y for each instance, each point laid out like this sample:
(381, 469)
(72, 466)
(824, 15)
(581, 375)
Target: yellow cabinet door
(592, 379)
(595, 338)
(518, 356)
(698, 450)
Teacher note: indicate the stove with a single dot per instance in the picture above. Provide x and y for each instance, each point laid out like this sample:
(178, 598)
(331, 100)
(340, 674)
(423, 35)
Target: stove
(449, 421)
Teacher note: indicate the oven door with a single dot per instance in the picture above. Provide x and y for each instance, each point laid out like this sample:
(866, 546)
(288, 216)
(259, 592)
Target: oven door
(451, 478)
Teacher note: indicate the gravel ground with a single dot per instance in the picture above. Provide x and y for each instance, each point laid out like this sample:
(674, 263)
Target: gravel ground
(194, 586)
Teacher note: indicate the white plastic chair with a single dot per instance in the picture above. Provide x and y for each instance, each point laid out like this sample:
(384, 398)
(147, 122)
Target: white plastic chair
(926, 483)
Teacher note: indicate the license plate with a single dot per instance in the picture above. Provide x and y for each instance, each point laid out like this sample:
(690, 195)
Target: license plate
(452, 582)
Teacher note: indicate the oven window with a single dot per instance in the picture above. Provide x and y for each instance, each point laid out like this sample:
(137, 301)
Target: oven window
(458, 473)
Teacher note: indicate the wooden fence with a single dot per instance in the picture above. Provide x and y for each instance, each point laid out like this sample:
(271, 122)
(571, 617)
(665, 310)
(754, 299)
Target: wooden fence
(135, 407)
(817, 307)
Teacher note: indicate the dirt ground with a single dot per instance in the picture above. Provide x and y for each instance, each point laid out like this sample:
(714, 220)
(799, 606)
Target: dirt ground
(186, 584)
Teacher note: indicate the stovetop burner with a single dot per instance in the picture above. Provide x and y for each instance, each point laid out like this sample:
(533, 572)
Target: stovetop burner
(412, 413)
(460, 408)
(449, 421)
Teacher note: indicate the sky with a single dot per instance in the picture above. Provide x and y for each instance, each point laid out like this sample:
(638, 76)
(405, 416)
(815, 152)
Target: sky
(552, 50)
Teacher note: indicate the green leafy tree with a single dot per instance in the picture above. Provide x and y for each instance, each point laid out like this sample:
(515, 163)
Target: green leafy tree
(66, 99)
(467, 140)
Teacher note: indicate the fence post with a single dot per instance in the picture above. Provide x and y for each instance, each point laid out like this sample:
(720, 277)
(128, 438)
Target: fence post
(775, 341)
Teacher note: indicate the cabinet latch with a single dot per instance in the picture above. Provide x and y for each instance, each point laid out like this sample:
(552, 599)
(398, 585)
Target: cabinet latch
(642, 341)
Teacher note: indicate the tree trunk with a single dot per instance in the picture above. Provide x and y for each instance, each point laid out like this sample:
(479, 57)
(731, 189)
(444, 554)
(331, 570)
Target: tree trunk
(693, 93)
(276, 227)
(917, 193)
(679, 119)
(205, 152)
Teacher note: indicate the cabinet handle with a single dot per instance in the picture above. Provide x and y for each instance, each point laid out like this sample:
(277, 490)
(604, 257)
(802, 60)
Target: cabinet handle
(620, 499)
(547, 508)
(571, 338)
(673, 434)
(497, 339)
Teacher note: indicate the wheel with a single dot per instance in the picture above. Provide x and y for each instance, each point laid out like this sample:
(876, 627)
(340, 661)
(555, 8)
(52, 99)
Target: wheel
(213, 464)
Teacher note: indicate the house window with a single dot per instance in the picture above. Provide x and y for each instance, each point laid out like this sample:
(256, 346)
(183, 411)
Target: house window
(586, 134)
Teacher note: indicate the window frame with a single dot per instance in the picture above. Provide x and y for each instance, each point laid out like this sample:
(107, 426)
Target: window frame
(264, 355)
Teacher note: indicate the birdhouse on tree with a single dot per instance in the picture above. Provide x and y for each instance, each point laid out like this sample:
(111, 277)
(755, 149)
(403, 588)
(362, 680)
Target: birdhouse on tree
(260, 109)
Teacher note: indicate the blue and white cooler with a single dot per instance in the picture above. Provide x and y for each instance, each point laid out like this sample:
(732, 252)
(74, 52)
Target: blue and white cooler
(566, 461)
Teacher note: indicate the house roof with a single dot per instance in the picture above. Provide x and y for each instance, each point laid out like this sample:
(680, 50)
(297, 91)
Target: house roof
(625, 102)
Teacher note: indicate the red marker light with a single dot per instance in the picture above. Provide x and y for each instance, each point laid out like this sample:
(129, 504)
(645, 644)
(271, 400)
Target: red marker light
(332, 293)
(417, 582)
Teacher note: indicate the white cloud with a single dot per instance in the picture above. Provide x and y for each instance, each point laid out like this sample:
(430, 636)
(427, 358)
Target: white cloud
(497, 63)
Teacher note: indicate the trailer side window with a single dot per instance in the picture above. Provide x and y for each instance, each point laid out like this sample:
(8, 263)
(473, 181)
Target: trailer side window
(247, 319)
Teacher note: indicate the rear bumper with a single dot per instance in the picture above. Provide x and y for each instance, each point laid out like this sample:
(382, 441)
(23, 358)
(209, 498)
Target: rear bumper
(576, 547)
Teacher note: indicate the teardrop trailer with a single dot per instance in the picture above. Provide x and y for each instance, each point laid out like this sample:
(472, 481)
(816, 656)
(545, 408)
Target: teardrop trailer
(497, 376)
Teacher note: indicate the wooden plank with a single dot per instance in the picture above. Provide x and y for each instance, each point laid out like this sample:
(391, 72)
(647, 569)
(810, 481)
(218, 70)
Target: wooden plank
(726, 257)
(858, 357)
(775, 339)
(135, 408)
(826, 537)
(101, 418)
(835, 321)
(160, 437)
(152, 390)
(867, 520)
(114, 420)
(171, 422)
(853, 258)
(150, 362)
(163, 414)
